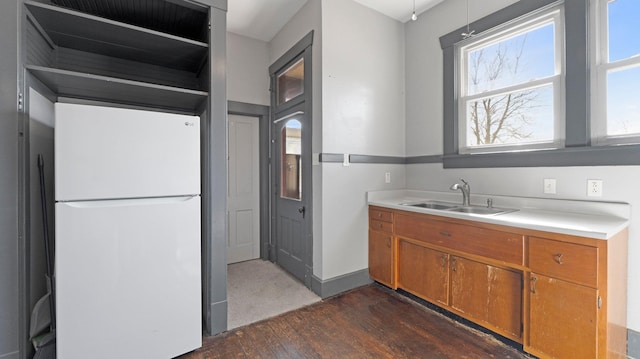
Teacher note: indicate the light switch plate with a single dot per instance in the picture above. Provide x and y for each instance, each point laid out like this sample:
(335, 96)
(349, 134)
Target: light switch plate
(387, 177)
(549, 186)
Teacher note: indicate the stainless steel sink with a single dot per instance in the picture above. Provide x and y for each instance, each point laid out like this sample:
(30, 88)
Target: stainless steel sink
(481, 210)
(454, 207)
(432, 205)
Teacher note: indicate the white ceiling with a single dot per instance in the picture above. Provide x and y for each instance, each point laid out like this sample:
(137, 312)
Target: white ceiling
(400, 10)
(262, 19)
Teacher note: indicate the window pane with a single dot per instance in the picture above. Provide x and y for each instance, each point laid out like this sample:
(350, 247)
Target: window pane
(291, 161)
(291, 82)
(623, 102)
(521, 117)
(512, 61)
(624, 17)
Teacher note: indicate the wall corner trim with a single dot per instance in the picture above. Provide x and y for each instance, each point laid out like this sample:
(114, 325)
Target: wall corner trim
(218, 317)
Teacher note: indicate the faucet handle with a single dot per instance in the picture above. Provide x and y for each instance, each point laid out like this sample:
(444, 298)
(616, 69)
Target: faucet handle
(463, 181)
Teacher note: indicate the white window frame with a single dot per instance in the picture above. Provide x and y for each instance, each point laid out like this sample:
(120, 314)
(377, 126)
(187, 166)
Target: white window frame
(601, 67)
(519, 26)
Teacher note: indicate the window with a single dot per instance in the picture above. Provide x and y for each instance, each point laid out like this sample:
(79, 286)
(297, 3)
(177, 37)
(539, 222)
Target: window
(592, 97)
(291, 82)
(510, 93)
(616, 104)
(291, 160)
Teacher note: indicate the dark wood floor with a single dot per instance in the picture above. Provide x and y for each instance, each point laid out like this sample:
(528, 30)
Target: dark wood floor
(369, 322)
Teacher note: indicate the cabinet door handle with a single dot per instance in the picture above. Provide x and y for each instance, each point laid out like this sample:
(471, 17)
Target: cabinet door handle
(453, 264)
(534, 279)
(446, 234)
(379, 214)
(380, 225)
(444, 260)
(559, 258)
(389, 242)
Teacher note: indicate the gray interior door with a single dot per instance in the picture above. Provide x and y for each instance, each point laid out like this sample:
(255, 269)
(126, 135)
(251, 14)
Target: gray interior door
(291, 172)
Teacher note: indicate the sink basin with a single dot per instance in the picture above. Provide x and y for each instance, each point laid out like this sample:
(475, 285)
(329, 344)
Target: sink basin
(432, 205)
(454, 207)
(481, 210)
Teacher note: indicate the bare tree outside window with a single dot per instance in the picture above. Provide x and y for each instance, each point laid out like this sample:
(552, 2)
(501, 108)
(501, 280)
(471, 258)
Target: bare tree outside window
(504, 118)
(509, 100)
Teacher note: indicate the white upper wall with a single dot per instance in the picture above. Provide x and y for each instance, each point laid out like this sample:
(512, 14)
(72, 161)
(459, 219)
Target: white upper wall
(362, 113)
(363, 80)
(424, 69)
(247, 70)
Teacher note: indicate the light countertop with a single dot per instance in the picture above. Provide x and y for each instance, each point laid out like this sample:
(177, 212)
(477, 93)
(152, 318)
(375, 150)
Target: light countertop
(592, 219)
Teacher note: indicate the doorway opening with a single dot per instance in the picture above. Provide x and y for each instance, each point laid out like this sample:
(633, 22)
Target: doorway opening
(256, 288)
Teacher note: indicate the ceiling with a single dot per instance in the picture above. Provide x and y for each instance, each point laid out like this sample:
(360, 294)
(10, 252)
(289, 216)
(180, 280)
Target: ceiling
(262, 19)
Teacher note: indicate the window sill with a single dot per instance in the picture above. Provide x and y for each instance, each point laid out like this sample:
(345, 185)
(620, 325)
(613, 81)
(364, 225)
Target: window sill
(628, 155)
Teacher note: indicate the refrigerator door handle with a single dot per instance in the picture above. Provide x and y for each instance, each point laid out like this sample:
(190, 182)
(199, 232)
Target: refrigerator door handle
(128, 201)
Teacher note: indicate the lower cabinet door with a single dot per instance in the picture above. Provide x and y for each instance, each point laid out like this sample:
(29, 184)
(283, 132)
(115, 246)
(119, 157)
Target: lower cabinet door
(381, 257)
(423, 272)
(562, 318)
(489, 295)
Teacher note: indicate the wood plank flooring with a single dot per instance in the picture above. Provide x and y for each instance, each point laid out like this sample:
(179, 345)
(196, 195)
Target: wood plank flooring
(368, 322)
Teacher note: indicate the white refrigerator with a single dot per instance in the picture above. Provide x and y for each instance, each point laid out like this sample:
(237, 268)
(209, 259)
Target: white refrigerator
(127, 266)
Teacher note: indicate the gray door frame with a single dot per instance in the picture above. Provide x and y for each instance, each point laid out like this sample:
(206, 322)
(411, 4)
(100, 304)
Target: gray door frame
(261, 112)
(302, 49)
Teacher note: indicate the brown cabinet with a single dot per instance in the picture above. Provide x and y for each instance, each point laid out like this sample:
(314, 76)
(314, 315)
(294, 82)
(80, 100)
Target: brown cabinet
(561, 296)
(569, 287)
(563, 318)
(423, 272)
(381, 247)
(488, 295)
(485, 294)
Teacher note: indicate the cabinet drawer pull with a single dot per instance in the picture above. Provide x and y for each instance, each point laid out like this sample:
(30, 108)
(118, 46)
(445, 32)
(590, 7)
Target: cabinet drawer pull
(380, 225)
(446, 234)
(533, 284)
(559, 258)
(379, 214)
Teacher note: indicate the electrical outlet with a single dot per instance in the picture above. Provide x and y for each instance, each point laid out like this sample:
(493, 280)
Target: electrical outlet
(549, 186)
(594, 188)
(387, 177)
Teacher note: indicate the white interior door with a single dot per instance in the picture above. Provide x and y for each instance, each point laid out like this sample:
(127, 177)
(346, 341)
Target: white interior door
(244, 189)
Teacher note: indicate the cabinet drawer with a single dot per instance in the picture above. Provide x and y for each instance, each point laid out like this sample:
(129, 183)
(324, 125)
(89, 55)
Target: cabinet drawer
(569, 261)
(380, 215)
(380, 226)
(502, 246)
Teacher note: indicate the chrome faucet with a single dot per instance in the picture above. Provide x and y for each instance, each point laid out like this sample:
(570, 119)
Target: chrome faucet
(466, 192)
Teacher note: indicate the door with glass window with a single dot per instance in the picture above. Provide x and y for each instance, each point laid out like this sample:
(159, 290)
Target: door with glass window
(291, 195)
(290, 166)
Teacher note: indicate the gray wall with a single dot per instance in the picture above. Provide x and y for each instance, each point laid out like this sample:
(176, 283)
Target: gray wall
(9, 283)
(247, 70)
(41, 124)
